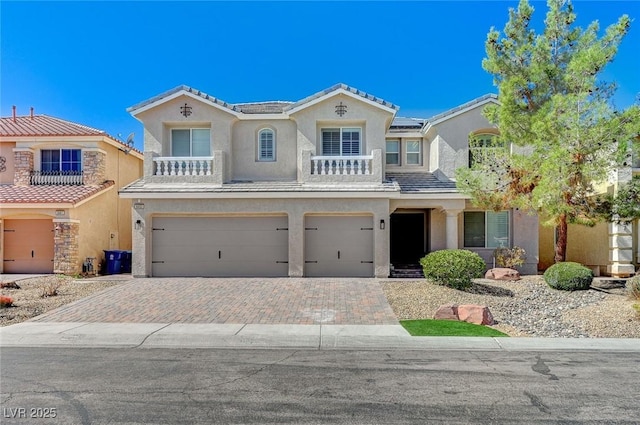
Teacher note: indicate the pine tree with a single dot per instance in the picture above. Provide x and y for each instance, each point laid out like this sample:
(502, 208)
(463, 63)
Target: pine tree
(557, 116)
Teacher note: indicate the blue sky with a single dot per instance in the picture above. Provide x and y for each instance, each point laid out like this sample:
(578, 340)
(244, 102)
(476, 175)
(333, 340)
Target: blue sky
(88, 61)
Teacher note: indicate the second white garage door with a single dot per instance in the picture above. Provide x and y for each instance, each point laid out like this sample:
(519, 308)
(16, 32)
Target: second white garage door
(339, 246)
(220, 246)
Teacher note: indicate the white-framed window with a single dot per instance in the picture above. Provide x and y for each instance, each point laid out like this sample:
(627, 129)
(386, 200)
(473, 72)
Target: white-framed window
(191, 142)
(393, 152)
(486, 229)
(483, 147)
(413, 152)
(266, 145)
(56, 160)
(345, 141)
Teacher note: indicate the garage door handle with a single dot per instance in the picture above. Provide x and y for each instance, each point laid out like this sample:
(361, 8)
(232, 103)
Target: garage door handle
(366, 262)
(282, 262)
(219, 255)
(338, 255)
(31, 253)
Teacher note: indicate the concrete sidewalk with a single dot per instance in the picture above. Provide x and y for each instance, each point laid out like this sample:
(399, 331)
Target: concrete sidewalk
(311, 337)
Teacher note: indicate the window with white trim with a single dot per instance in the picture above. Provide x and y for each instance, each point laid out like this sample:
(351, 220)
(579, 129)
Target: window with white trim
(486, 229)
(393, 152)
(266, 145)
(413, 148)
(341, 141)
(191, 142)
(60, 160)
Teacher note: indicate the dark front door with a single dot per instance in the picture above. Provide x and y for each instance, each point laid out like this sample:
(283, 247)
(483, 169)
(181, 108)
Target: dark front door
(407, 238)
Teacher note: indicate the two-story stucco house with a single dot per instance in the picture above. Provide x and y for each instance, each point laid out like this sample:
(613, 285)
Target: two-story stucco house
(59, 202)
(331, 185)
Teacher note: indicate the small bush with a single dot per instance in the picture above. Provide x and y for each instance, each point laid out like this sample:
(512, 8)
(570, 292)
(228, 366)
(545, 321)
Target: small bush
(5, 301)
(50, 289)
(568, 276)
(453, 267)
(509, 257)
(633, 287)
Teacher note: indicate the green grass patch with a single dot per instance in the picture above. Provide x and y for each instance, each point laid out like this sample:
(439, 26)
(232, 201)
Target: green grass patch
(431, 327)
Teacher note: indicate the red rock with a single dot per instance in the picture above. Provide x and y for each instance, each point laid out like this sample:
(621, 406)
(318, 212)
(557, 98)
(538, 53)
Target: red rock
(500, 273)
(478, 314)
(447, 312)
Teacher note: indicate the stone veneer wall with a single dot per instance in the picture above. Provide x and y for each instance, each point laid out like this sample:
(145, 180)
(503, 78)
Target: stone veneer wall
(94, 167)
(23, 165)
(66, 248)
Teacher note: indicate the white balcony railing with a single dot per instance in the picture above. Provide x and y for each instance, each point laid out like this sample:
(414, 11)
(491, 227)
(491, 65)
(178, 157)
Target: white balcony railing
(342, 165)
(183, 165)
(56, 178)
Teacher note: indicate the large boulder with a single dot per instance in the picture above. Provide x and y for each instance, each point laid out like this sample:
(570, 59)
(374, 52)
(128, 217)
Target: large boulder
(446, 312)
(478, 314)
(501, 273)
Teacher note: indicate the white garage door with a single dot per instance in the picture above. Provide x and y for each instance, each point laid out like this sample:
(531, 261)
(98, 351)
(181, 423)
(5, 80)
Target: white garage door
(220, 246)
(339, 246)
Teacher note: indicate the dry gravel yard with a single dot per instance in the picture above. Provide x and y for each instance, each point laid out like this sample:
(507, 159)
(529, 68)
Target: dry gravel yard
(527, 307)
(29, 302)
(524, 308)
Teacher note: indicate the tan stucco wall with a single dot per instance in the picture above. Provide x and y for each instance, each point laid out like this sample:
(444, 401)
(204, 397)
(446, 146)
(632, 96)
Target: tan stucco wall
(453, 139)
(585, 245)
(295, 209)
(244, 153)
(159, 121)
(6, 151)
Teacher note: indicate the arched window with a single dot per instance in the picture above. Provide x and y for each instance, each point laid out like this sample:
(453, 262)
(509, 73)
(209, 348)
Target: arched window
(483, 147)
(266, 145)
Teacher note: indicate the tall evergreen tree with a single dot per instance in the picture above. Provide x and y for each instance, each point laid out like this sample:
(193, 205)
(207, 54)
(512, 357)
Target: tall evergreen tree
(557, 116)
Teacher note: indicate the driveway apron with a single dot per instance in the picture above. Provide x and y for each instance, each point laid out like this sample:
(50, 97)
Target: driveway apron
(339, 301)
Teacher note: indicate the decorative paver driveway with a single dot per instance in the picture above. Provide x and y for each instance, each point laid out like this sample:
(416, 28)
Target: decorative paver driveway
(234, 300)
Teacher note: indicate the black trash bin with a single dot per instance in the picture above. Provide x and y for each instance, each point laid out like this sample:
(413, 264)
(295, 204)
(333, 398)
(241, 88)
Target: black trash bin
(126, 261)
(113, 259)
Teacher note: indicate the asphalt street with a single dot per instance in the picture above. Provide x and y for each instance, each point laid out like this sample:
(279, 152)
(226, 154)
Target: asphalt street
(238, 386)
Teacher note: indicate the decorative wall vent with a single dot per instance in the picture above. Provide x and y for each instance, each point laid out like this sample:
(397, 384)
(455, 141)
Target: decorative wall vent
(185, 110)
(3, 164)
(341, 109)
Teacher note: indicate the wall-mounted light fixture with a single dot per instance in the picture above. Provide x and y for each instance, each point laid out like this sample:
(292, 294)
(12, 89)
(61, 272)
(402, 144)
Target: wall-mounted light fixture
(381, 224)
(138, 224)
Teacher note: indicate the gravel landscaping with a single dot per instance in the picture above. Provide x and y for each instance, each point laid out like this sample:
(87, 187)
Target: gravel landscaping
(29, 302)
(527, 307)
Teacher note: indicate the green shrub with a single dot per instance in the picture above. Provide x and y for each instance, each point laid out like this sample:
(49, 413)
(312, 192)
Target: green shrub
(568, 276)
(453, 267)
(633, 287)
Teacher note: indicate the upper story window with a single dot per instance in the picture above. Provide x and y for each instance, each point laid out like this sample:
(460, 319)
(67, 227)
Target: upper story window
(486, 229)
(414, 152)
(393, 152)
(266, 145)
(341, 141)
(61, 160)
(191, 142)
(483, 147)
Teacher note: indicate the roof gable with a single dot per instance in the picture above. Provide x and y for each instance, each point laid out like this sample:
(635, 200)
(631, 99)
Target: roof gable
(177, 92)
(342, 89)
(453, 112)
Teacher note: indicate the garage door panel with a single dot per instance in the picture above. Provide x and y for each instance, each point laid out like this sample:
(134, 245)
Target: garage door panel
(28, 246)
(220, 246)
(339, 246)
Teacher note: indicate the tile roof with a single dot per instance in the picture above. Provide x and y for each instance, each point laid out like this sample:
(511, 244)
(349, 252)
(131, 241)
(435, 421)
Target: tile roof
(347, 88)
(276, 107)
(466, 105)
(421, 182)
(177, 89)
(49, 194)
(44, 125)
(140, 186)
